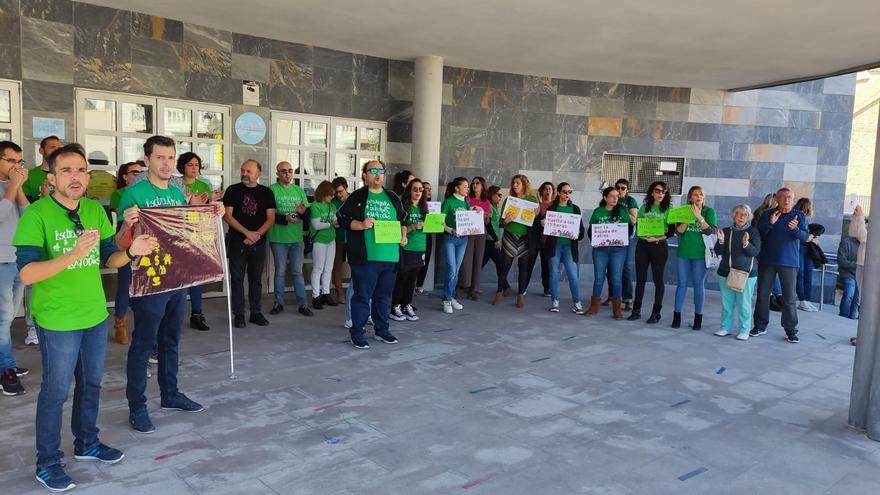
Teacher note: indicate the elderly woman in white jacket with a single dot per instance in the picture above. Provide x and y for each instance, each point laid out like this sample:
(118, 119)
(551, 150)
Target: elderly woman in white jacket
(858, 228)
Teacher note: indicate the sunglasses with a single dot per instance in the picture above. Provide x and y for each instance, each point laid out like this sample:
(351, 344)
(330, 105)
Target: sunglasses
(376, 171)
(285, 171)
(569, 191)
(418, 189)
(660, 191)
(77, 224)
(133, 172)
(622, 188)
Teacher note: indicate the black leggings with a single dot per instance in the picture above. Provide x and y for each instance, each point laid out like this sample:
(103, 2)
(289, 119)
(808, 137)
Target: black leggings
(496, 256)
(407, 273)
(516, 247)
(653, 254)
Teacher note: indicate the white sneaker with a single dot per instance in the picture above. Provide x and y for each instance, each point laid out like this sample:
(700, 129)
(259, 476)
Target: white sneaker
(31, 338)
(396, 314)
(813, 308)
(742, 336)
(347, 324)
(806, 306)
(370, 321)
(447, 307)
(722, 333)
(456, 305)
(410, 313)
(578, 308)
(554, 306)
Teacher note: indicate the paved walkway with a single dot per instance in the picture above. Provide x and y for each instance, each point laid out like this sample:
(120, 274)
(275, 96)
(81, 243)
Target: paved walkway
(491, 400)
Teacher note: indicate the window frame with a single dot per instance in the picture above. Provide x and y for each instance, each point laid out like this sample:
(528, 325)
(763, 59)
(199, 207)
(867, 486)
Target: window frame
(15, 111)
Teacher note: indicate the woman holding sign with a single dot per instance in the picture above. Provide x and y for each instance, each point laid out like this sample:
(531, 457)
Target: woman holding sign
(610, 231)
(469, 274)
(519, 241)
(694, 220)
(652, 251)
(562, 246)
(454, 245)
(413, 256)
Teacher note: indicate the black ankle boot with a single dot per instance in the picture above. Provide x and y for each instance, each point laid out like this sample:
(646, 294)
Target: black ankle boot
(698, 322)
(635, 316)
(676, 320)
(317, 303)
(655, 314)
(329, 301)
(197, 321)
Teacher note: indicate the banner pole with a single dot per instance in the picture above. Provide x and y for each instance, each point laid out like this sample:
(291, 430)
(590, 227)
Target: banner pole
(228, 296)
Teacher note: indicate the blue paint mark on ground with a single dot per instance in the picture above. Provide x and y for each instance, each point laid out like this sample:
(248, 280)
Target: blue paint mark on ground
(569, 338)
(540, 359)
(721, 370)
(821, 336)
(680, 403)
(695, 472)
(482, 389)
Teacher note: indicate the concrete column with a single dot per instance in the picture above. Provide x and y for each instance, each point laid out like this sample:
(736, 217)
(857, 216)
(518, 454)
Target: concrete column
(864, 407)
(427, 105)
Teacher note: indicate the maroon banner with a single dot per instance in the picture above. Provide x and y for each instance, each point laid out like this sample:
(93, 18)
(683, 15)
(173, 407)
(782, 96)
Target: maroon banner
(189, 251)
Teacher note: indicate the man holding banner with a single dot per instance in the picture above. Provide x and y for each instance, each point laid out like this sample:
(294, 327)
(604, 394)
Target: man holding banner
(371, 215)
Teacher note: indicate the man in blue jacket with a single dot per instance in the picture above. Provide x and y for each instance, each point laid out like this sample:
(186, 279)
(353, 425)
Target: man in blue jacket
(782, 229)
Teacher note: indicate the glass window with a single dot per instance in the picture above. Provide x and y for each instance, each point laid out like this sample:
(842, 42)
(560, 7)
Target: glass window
(290, 156)
(137, 117)
(178, 122)
(5, 135)
(216, 181)
(309, 185)
(315, 163)
(211, 155)
(346, 165)
(365, 159)
(101, 150)
(100, 115)
(371, 139)
(5, 106)
(183, 147)
(346, 137)
(132, 149)
(316, 134)
(210, 125)
(287, 132)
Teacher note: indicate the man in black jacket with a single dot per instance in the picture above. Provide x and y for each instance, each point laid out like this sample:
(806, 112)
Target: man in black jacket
(373, 264)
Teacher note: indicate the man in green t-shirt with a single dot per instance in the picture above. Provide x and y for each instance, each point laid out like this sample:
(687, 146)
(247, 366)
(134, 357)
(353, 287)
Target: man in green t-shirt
(286, 238)
(157, 317)
(60, 243)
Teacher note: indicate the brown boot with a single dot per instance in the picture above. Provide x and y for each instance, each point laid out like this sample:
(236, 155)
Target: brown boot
(340, 295)
(473, 295)
(499, 296)
(615, 307)
(594, 306)
(520, 301)
(121, 334)
(509, 292)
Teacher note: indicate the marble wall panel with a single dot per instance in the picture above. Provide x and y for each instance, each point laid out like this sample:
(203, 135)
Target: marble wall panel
(156, 28)
(208, 61)
(157, 53)
(47, 50)
(10, 68)
(211, 88)
(158, 81)
(574, 88)
(542, 85)
(48, 10)
(102, 32)
(538, 102)
(291, 75)
(331, 103)
(10, 7)
(333, 80)
(672, 111)
(700, 96)
(573, 105)
(739, 115)
(334, 59)
(250, 68)
(606, 107)
(605, 126)
(206, 37)
(100, 74)
(10, 29)
(46, 96)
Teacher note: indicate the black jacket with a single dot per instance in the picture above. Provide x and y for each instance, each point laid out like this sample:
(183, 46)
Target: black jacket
(743, 257)
(847, 256)
(548, 250)
(353, 209)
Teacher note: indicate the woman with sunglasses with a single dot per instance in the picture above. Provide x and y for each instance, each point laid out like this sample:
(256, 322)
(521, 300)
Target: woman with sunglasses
(631, 205)
(413, 256)
(652, 251)
(691, 256)
(493, 235)
(429, 244)
(546, 197)
(471, 265)
(454, 246)
(563, 250)
(126, 172)
(608, 261)
(517, 243)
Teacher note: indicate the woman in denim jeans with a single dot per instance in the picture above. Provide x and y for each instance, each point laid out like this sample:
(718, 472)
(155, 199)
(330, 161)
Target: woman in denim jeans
(564, 250)
(691, 256)
(609, 260)
(454, 245)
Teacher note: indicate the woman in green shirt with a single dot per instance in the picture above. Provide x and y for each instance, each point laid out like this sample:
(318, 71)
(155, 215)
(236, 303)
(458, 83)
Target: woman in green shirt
(412, 257)
(518, 242)
(493, 235)
(323, 234)
(454, 246)
(127, 171)
(652, 250)
(608, 259)
(197, 192)
(692, 256)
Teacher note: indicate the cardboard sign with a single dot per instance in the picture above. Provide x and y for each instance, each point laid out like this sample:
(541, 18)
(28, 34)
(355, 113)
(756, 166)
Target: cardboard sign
(434, 206)
(682, 214)
(610, 234)
(524, 211)
(651, 227)
(851, 202)
(387, 231)
(434, 223)
(469, 222)
(558, 224)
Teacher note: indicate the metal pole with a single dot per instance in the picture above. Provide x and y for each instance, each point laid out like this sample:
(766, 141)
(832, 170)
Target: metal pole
(821, 290)
(228, 295)
(864, 407)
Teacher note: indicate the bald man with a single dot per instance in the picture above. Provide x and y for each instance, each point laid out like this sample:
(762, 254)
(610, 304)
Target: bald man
(286, 238)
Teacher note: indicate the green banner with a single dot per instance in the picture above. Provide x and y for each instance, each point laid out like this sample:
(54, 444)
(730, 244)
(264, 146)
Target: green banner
(682, 214)
(434, 223)
(387, 231)
(651, 227)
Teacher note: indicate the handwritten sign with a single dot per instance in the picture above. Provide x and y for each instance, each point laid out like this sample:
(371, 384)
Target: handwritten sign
(434, 206)
(682, 214)
(851, 202)
(610, 234)
(558, 224)
(469, 222)
(387, 231)
(651, 227)
(524, 211)
(434, 223)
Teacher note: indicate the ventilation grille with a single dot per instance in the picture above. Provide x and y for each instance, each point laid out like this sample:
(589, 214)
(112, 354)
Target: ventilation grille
(642, 170)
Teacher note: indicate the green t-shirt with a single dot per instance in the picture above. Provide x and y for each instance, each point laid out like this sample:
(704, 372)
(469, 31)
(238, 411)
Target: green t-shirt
(114, 200)
(340, 232)
(31, 187)
(495, 222)
(450, 206)
(325, 212)
(380, 207)
(416, 238)
(199, 187)
(691, 245)
(287, 199)
(564, 241)
(518, 229)
(654, 212)
(630, 203)
(73, 299)
(604, 215)
(145, 195)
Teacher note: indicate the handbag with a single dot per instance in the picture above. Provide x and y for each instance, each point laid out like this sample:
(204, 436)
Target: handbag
(713, 261)
(736, 279)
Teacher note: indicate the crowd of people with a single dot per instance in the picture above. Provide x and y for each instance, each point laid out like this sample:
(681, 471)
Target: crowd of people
(53, 241)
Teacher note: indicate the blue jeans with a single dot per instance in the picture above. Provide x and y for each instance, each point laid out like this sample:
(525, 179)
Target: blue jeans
(373, 284)
(157, 321)
(195, 298)
(11, 293)
(292, 254)
(805, 276)
(67, 356)
(563, 255)
(849, 303)
(453, 254)
(691, 272)
(608, 261)
(123, 281)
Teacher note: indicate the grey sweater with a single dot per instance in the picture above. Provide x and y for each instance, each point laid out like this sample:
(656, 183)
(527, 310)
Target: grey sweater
(10, 212)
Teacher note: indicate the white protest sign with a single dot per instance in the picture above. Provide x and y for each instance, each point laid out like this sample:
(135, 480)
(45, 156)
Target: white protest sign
(524, 211)
(558, 224)
(433, 207)
(851, 201)
(469, 222)
(610, 234)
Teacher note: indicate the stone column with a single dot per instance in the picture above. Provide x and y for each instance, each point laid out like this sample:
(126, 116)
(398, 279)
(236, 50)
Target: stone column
(427, 104)
(864, 407)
